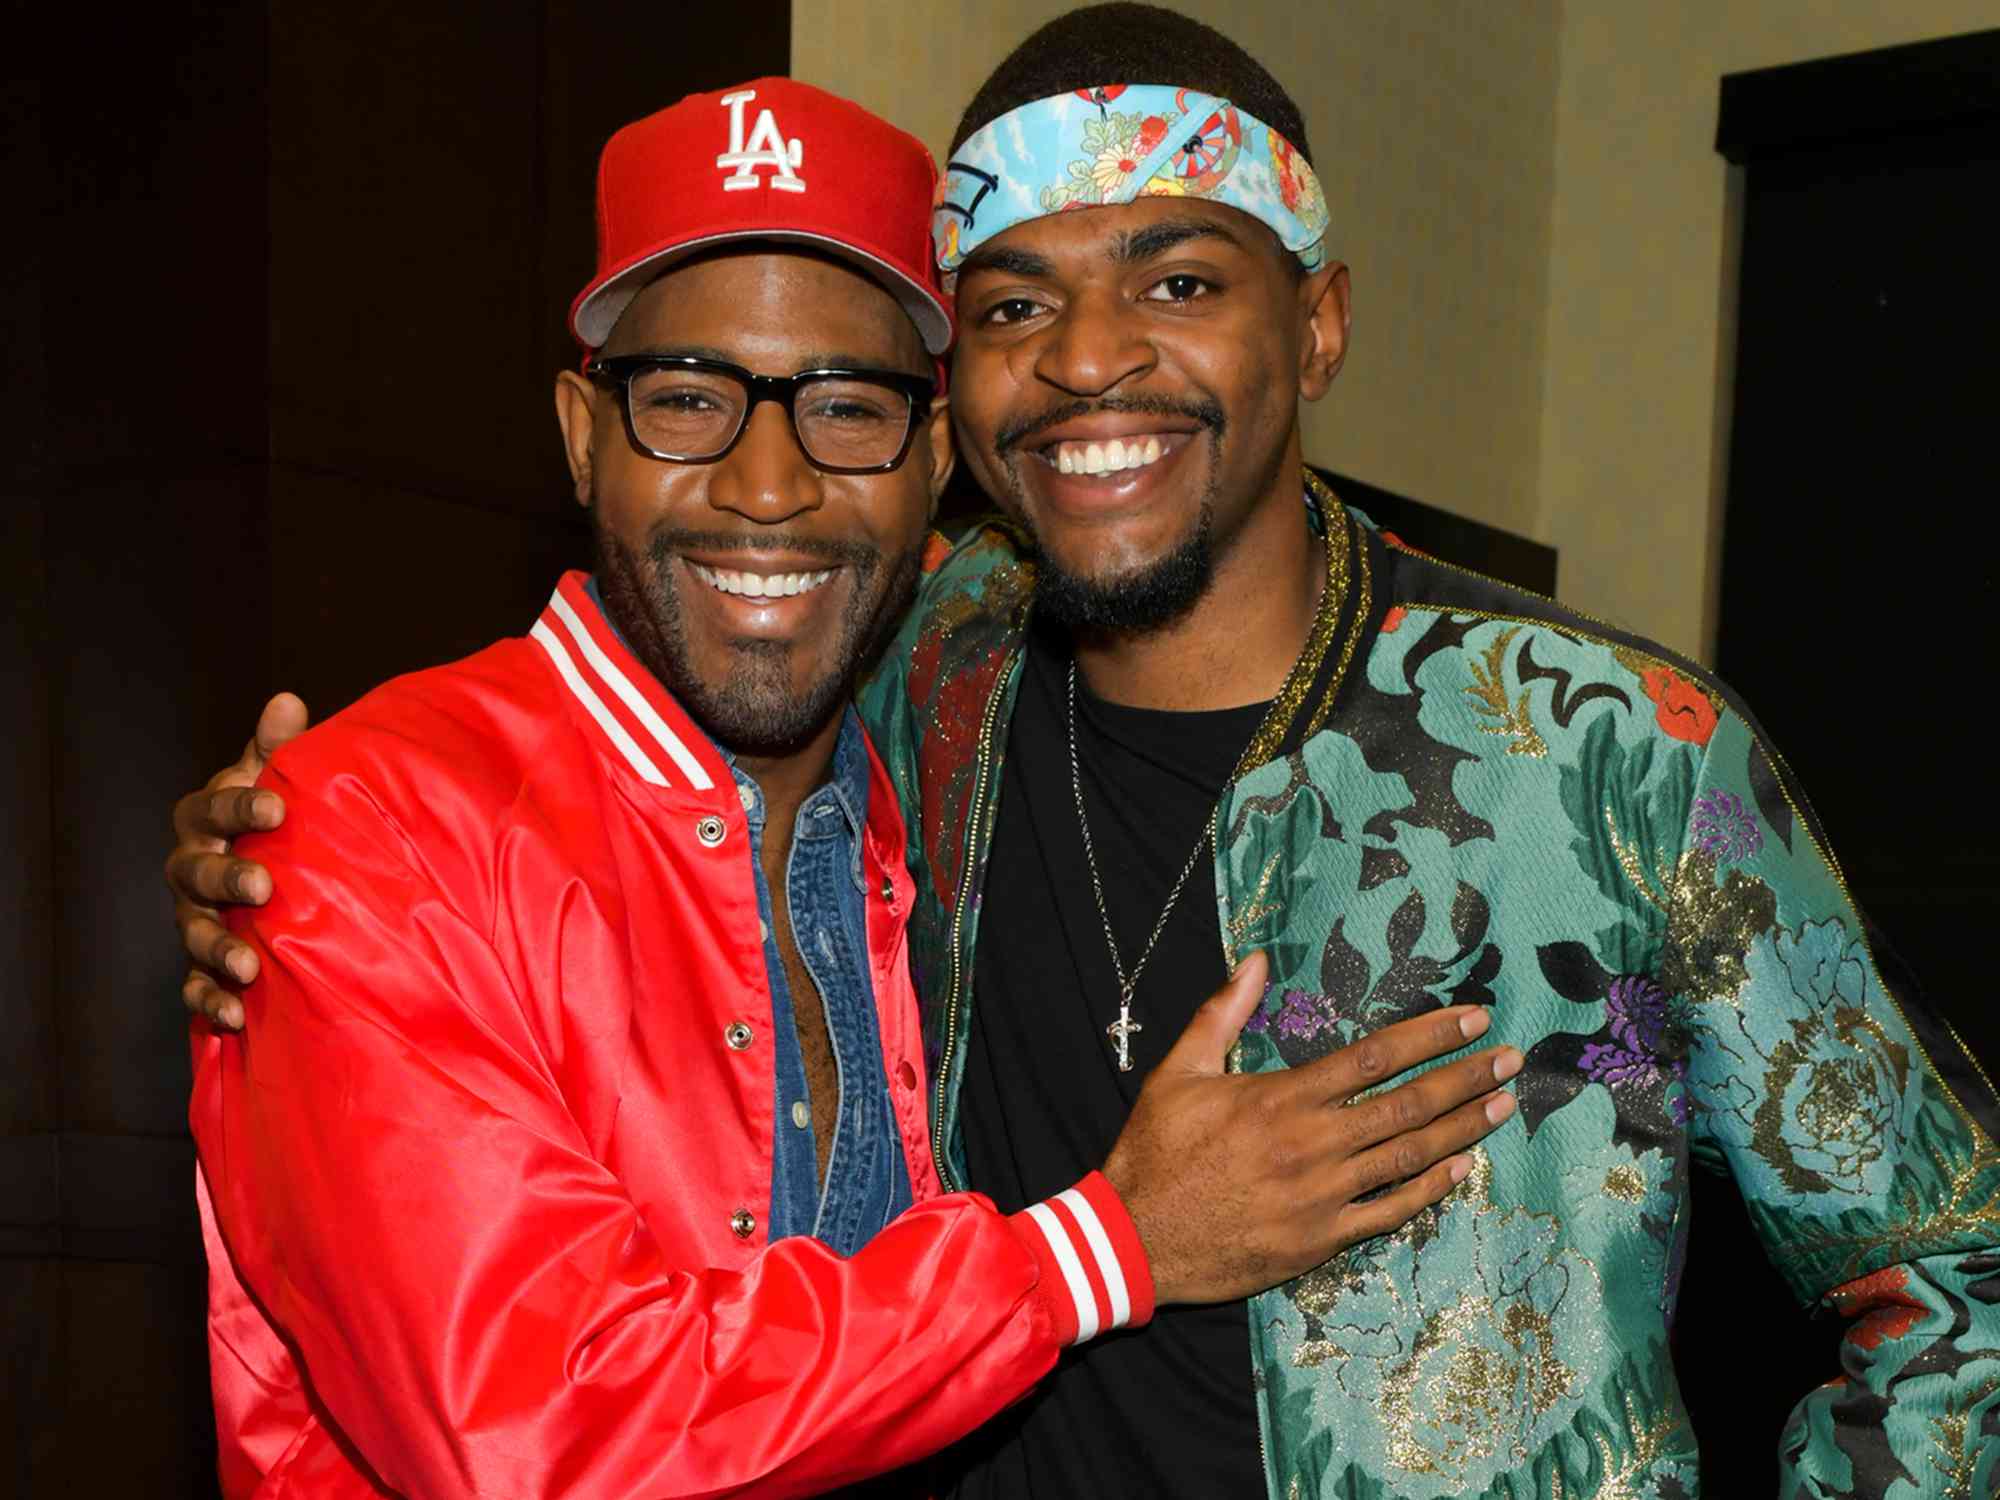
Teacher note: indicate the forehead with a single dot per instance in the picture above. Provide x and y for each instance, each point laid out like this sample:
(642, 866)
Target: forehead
(766, 305)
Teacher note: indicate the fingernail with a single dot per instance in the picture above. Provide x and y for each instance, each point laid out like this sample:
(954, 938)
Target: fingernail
(1461, 1168)
(1474, 1023)
(1498, 1108)
(239, 965)
(262, 807)
(1506, 1063)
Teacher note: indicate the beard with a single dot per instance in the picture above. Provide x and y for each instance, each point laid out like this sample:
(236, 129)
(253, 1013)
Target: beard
(1145, 598)
(1141, 599)
(747, 700)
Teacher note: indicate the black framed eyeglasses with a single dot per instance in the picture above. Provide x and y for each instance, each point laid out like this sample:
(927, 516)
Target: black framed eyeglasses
(688, 410)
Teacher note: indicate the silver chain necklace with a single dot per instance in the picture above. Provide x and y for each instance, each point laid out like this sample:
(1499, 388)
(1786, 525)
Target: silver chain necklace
(1333, 591)
(1122, 1029)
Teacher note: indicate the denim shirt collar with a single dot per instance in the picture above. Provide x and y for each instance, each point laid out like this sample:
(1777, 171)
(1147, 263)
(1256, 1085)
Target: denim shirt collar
(840, 807)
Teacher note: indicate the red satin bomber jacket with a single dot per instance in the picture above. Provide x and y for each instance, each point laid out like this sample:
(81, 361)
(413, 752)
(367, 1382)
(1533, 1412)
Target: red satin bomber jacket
(483, 1179)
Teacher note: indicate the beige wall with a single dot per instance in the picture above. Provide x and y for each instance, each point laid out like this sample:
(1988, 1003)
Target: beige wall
(1639, 342)
(1539, 227)
(1434, 129)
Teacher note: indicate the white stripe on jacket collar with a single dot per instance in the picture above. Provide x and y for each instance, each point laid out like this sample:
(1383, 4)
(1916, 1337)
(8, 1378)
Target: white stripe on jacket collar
(612, 676)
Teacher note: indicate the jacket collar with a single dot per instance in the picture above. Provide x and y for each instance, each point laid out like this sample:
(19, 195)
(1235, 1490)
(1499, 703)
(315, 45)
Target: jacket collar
(634, 718)
(1348, 613)
(640, 725)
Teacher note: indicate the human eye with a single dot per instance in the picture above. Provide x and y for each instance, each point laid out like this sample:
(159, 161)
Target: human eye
(676, 396)
(852, 402)
(677, 410)
(1181, 287)
(1011, 310)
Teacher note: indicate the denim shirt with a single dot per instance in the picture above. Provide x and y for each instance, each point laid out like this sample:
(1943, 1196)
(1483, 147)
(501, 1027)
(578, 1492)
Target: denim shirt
(867, 1183)
(867, 1180)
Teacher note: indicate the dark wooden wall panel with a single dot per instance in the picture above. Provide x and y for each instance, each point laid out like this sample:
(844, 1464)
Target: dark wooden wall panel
(278, 414)
(139, 696)
(29, 1093)
(137, 1423)
(369, 581)
(406, 234)
(153, 250)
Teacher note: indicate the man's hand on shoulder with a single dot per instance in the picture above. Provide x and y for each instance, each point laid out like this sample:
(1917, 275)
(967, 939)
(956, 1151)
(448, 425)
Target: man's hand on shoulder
(1239, 1182)
(204, 875)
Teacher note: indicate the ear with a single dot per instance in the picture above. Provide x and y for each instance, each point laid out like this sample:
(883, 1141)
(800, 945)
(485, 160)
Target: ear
(1323, 303)
(943, 454)
(576, 414)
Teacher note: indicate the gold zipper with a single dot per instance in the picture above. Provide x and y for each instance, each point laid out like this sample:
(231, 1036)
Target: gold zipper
(965, 883)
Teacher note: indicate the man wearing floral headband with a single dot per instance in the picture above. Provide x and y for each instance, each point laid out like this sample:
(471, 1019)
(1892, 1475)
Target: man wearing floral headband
(1184, 706)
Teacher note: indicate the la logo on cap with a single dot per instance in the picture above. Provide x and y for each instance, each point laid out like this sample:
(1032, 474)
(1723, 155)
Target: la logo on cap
(767, 147)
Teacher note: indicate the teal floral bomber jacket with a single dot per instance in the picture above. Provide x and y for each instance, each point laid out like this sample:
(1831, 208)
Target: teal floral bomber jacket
(1471, 793)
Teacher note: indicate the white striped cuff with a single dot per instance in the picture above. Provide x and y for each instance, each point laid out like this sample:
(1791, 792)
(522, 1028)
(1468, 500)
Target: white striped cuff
(1094, 1272)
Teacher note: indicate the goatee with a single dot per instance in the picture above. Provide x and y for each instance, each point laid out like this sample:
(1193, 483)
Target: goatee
(748, 702)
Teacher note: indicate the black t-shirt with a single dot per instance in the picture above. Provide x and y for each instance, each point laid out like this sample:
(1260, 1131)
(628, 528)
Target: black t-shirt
(1167, 1410)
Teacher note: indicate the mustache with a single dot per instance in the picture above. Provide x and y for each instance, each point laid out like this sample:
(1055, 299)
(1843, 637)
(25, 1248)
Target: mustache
(661, 545)
(1019, 429)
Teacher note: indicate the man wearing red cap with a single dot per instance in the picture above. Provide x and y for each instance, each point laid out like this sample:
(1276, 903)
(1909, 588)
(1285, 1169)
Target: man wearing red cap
(575, 1141)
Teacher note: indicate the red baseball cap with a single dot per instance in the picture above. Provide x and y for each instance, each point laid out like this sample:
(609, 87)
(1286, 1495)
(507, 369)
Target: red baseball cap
(771, 159)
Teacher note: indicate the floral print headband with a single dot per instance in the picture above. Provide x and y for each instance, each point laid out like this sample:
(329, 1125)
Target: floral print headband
(1115, 143)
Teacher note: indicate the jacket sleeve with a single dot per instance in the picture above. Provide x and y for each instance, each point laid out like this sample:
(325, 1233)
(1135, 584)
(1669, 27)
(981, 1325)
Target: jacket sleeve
(476, 1303)
(1859, 1129)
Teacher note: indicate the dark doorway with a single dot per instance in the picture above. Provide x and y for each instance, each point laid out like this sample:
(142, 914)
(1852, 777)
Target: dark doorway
(287, 298)
(1859, 575)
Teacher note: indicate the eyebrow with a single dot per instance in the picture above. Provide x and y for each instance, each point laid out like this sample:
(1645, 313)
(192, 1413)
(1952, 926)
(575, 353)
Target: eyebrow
(1157, 239)
(1007, 261)
(817, 360)
(1131, 248)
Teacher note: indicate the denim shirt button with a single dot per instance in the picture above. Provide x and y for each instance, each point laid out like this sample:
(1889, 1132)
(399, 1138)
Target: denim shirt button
(747, 796)
(802, 1114)
(738, 1035)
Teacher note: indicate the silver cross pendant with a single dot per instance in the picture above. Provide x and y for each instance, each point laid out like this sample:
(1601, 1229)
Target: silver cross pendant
(1120, 1031)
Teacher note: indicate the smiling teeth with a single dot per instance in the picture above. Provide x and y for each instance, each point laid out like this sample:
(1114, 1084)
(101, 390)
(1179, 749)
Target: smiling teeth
(760, 585)
(1107, 457)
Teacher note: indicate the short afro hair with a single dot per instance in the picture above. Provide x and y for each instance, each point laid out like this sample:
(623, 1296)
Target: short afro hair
(1125, 43)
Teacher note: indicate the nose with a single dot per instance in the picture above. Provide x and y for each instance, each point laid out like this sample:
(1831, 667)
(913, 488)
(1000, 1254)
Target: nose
(1094, 344)
(766, 477)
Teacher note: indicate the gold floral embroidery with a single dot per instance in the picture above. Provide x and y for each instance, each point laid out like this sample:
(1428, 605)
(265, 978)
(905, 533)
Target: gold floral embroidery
(1626, 1183)
(1710, 925)
(1478, 1368)
(1481, 1384)
(1968, 1213)
(1489, 695)
(1843, 1115)
(1237, 930)
(1948, 1433)
(1622, 1479)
